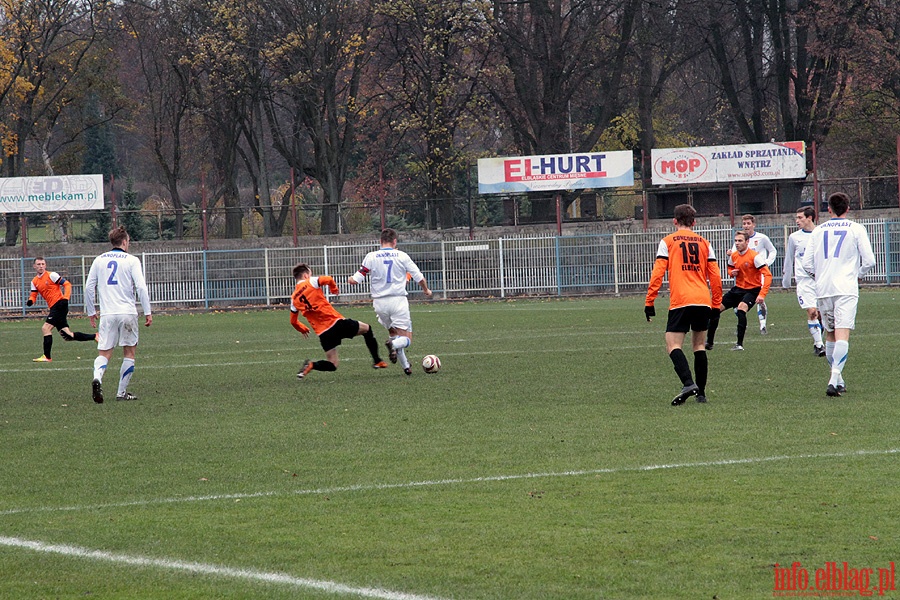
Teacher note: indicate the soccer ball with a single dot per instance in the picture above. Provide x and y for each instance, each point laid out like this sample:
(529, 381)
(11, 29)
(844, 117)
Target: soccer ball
(431, 364)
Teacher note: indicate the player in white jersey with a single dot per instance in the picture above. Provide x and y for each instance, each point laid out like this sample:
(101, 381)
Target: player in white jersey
(838, 255)
(388, 270)
(764, 247)
(116, 278)
(806, 285)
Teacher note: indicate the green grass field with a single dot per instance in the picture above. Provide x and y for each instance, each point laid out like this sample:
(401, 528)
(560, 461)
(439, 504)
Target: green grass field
(543, 461)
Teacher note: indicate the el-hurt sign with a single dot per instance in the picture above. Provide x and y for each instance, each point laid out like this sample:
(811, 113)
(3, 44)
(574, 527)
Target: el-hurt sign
(725, 164)
(555, 172)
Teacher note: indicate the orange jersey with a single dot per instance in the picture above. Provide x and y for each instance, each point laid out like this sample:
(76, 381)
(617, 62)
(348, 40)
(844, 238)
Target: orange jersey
(752, 271)
(309, 300)
(694, 277)
(51, 286)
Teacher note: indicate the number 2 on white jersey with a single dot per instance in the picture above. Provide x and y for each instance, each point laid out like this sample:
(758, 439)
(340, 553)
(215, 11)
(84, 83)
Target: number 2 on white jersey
(113, 266)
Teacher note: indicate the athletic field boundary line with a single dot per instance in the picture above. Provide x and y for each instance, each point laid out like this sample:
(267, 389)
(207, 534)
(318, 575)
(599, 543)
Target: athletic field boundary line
(458, 481)
(207, 569)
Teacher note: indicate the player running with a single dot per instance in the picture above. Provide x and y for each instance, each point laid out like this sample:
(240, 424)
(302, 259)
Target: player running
(388, 270)
(56, 291)
(806, 285)
(838, 255)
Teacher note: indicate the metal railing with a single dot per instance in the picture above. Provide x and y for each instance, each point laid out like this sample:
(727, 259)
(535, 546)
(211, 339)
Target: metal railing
(542, 265)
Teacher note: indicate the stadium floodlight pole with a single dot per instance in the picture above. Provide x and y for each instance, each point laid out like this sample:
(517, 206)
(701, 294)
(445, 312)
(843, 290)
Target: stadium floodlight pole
(898, 170)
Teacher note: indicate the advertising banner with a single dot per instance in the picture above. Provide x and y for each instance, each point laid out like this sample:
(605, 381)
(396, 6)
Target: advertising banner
(61, 193)
(728, 164)
(555, 172)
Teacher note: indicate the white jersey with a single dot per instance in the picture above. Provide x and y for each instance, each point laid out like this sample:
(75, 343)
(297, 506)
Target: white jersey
(117, 278)
(837, 255)
(793, 258)
(763, 246)
(387, 269)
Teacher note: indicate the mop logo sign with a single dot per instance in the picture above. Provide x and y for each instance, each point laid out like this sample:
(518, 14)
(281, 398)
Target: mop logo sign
(681, 165)
(723, 164)
(833, 580)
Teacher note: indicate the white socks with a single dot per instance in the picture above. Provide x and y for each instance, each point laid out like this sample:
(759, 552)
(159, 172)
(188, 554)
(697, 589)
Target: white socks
(100, 367)
(125, 373)
(838, 358)
(815, 329)
(399, 343)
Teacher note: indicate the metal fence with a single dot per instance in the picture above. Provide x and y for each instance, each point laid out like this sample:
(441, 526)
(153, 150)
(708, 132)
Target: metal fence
(613, 263)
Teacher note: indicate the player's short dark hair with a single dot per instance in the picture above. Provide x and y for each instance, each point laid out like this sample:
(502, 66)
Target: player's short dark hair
(839, 203)
(685, 215)
(388, 235)
(750, 218)
(37, 258)
(808, 211)
(743, 234)
(300, 269)
(118, 236)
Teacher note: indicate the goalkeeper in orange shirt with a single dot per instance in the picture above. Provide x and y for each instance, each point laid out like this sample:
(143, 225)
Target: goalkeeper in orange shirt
(56, 291)
(309, 300)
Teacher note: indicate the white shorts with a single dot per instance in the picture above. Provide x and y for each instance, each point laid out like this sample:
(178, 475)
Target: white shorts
(806, 293)
(393, 311)
(838, 312)
(118, 330)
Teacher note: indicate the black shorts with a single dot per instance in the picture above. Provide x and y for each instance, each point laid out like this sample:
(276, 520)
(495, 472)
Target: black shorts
(342, 330)
(695, 318)
(736, 295)
(59, 314)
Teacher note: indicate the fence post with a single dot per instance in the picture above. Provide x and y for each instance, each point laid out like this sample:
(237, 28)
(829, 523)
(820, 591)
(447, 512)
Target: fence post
(615, 263)
(268, 279)
(887, 248)
(558, 268)
(22, 291)
(502, 281)
(205, 281)
(444, 266)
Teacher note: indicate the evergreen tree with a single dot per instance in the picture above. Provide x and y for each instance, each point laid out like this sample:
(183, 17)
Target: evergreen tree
(99, 147)
(130, 216)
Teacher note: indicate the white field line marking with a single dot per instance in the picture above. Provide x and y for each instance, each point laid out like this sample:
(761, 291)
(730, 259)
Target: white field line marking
(205, 569)
(462, 481)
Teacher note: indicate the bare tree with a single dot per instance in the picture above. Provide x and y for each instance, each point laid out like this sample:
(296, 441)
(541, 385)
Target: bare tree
(46, 43)
(565, 60)
(317, 55)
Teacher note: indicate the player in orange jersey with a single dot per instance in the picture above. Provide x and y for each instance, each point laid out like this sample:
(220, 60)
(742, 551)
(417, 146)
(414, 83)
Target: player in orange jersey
(309, 300)
(55, 290)
(695, 286)
(752, 279)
